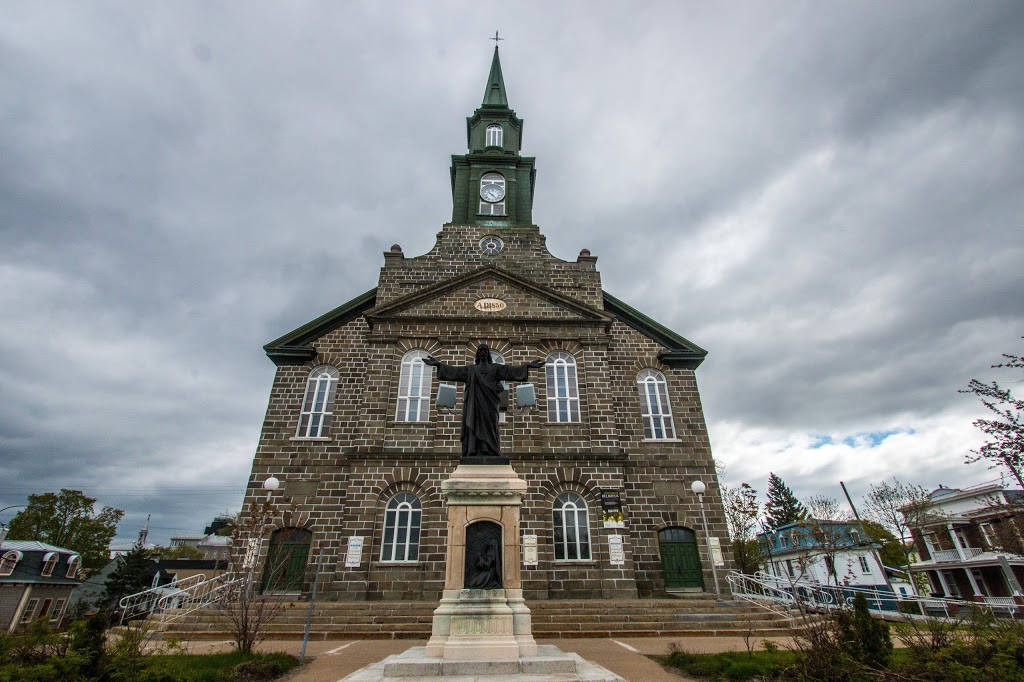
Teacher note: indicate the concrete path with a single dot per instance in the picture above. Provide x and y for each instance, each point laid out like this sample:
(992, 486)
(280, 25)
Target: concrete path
(332, 660)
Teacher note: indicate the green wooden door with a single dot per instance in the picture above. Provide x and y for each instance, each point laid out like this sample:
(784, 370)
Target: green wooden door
(680, 561)
(286, 560)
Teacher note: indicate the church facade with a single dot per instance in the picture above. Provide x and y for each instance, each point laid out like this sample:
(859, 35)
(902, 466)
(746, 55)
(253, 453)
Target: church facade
(609, 448)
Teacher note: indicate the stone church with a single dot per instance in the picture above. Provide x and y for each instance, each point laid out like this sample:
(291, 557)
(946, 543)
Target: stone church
(609, 434)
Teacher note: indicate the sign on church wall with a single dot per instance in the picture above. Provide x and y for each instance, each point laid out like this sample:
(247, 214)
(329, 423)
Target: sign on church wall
(489, 305)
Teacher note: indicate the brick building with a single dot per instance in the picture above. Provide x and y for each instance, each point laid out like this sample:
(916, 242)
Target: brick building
(360, 448)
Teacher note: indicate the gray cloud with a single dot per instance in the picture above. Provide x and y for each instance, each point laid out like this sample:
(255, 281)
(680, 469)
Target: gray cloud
(827, 198)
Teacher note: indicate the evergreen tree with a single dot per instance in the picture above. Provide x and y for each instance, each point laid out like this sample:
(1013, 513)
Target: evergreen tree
(132, 575)
(782, 506)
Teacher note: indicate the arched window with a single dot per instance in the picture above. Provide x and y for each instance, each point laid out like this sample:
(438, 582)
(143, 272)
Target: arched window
(572, 529)
(74, 563)
(492, 194)
(318, 405)
(414, 388)
(9, 561)
(494, 135)
(401, 529)
(562, 390)
(49, 561)
(654, 406)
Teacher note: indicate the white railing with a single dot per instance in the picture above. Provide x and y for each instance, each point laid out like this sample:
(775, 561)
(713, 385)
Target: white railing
(146, 602)
(766, 590)
(206, 593)
(963, 554)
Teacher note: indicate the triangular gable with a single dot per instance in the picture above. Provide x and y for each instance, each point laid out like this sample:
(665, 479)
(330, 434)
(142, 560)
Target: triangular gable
(680, 351)
(452, 299)
(292, 349)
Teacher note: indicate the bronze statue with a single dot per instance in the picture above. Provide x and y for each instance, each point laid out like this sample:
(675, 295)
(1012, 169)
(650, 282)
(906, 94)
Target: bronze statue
(480, 403)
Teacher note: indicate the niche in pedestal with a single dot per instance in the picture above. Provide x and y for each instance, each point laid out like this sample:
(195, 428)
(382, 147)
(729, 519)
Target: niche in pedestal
(482, 569)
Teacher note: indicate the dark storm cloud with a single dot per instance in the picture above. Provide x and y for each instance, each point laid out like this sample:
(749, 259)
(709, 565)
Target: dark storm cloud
(827, 198)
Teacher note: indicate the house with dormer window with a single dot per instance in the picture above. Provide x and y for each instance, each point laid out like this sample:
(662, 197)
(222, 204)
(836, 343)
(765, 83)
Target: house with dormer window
(36, 582)
(816, 552)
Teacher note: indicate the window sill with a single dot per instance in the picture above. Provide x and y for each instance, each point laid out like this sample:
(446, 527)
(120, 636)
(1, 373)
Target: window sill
(573, 562)
(396, 563)
(320, 439)
(575, 423)
(661, 440)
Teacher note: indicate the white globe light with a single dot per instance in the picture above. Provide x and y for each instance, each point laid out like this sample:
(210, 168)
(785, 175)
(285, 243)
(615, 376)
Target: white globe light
(698, 487)
(271, 484)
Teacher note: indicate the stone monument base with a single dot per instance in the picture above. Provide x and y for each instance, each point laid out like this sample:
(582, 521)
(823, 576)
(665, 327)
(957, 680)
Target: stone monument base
(479, 625)
(549, 663)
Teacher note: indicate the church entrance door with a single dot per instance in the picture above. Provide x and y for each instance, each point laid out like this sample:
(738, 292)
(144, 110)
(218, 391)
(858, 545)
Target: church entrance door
(286, 560)
(680, 561)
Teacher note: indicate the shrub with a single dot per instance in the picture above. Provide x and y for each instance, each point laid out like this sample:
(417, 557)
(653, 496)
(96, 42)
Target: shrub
(862, 637)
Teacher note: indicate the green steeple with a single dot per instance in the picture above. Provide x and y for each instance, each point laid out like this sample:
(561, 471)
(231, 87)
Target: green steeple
(493, 184)
(494, 95)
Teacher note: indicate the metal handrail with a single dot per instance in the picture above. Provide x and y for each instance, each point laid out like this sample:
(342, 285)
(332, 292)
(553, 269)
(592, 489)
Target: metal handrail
(147, 601)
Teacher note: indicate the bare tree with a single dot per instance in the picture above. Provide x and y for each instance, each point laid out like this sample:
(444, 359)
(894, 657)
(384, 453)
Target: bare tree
(742, 511)
(249, 612)
(826, 530)
(1005, 446)
(898, 507)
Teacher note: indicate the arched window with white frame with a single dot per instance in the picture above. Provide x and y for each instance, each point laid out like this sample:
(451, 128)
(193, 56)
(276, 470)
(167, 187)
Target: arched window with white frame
(572, 528)
(74, 564)
(49, 561)
(9, 562)
(562, 389)
(654, 406)
(414, 383)
(318, 405)
(492, 194)
(495, 135)
(401, 528)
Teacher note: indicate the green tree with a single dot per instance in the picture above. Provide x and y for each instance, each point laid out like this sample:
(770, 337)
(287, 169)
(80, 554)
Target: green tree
(782, 506)
(129, 577)
(742, 511)
(179, 552)
(1005, 446)
(68, 519)
(891, 550)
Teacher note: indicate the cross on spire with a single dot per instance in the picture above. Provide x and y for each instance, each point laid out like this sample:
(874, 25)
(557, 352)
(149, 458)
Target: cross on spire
(495, 38)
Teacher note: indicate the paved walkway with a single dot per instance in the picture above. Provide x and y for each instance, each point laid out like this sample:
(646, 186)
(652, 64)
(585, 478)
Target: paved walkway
(330, 661)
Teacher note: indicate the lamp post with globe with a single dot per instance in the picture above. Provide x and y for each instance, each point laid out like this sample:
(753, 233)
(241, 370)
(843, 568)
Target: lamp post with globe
(698, 489)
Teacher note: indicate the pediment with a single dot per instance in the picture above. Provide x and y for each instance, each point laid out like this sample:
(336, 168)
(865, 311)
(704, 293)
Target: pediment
(488, 293)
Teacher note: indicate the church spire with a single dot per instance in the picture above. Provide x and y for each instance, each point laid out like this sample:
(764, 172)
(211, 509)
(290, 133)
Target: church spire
(494, 95)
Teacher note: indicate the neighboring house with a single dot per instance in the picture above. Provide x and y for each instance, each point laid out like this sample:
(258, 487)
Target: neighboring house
(117, 549)
(187, 540)
(215, 547)
(36, 582)
(957, 535)
(814, 552)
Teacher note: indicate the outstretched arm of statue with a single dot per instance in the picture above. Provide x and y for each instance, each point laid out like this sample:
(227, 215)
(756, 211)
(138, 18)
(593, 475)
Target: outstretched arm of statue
(429, 360)
(535, 364)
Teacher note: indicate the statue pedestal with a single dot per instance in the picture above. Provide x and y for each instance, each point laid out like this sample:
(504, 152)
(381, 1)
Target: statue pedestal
(482, 624)
(481, 633)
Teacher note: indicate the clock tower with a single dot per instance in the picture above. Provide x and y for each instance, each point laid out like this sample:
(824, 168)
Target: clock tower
(492, 185)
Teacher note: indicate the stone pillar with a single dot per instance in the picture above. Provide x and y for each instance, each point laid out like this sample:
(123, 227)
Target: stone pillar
(482, 624)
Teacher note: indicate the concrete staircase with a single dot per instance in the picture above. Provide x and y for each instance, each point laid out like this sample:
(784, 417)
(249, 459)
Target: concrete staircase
(696, 615)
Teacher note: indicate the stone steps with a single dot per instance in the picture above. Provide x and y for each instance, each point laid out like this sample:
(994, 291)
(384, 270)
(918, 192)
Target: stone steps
(551, 620)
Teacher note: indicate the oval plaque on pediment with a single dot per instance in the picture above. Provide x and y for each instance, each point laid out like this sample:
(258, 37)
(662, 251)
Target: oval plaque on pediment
(489, 305)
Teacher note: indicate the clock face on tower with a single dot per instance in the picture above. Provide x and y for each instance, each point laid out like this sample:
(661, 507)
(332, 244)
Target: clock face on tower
(492, 193)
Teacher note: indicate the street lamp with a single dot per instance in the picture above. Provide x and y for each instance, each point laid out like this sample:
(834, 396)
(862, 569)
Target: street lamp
(698, 489)
(270, 485)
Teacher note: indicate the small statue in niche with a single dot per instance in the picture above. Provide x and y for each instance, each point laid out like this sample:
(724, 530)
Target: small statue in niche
(483, 556)
(480, 402)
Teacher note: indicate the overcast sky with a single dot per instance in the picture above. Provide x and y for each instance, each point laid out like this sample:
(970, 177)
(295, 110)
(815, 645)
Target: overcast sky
(826, 196)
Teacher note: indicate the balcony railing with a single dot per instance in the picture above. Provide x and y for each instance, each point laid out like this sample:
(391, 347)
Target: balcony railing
(954, 555)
